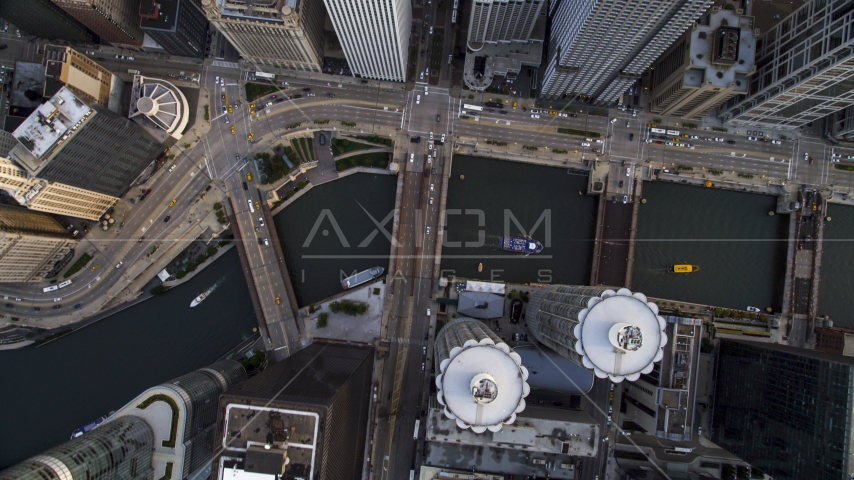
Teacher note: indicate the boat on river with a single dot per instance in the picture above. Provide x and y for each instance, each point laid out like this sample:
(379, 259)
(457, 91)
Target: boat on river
(521, 245)
(361, 277)
(201, 298)
(682, 268)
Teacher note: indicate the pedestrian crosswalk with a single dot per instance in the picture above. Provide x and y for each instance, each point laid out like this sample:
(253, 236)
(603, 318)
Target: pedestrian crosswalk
(221, 63)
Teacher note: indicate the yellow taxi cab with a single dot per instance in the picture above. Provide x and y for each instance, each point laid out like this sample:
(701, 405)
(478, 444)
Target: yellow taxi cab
(173, 202)
(257, 205)
(278, 301)
(684, 135)
(248, 176)
(230, 109)
(232, 131)
(651, 125)
(676, 140)
(552, 112)
(94, 267)
(252, 107)
(251, 136)
(514, 105)
(251, 112)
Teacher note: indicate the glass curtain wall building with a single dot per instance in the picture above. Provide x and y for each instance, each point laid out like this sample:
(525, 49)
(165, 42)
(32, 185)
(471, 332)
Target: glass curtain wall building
(121, 449)
(784, 410)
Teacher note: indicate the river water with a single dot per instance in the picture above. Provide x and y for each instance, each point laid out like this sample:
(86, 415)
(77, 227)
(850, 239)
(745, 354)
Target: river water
(740, 249)
(329, 233)
(49, 391)
(836, 299)
(492, 195)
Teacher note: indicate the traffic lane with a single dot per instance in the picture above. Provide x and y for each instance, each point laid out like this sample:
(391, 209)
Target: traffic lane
(115, 250)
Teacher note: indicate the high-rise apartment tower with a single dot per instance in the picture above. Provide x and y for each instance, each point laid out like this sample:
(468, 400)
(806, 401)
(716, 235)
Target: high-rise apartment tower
(805, 69)
(30, 244)
(617, 334)
(600, 48)
(67, 141)
(115, 21)
(277, 33)
(165, 433)
(121, 449)
(503, 21)
(374, 35)
(481, 381)
(176, 25)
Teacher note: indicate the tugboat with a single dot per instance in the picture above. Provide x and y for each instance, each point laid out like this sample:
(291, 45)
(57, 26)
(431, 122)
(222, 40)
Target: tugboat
(521, 245)
(682, 268)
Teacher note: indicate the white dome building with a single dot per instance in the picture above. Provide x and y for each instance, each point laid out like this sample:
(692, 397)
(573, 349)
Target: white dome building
(160, 104)
(616, 334)
(482, 383)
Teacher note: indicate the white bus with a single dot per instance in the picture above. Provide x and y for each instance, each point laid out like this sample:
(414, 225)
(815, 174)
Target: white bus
(251, 208)
(657, 130)
(456, 4)
(265, 75)
(673, 132)
(50, 288)
(468, 107)
(454, 16)
(64, 284)
(417, 424)
(412, 475)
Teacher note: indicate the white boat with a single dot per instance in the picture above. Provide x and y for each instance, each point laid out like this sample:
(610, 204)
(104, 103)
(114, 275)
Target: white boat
(198, 299)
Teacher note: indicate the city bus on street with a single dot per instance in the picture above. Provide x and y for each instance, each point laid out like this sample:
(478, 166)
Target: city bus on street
(673, 132)
(476, 108)
(64, 284)
(658, 130)
(417, 424)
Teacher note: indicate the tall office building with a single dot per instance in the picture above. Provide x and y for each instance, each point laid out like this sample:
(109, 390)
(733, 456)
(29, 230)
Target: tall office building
(711, 63)
(165, 433)
(7, 142)
(785, 410)
(176, 25)
(121, 449)
(304, 417)
(503, 21)
(67, 141)
(79, 73)
(30, 244)
(374, 35)
(277, 33)
(42, 18)
(50, 197)
(600, 48)
(617, 334)
(482, 383)
(115, 21)
(805, 69)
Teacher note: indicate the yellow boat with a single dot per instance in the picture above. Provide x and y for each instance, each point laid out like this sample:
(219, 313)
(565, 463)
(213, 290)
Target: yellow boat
(682, 268)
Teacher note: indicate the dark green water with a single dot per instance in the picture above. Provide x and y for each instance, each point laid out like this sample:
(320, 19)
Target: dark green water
(316, 261)
(836, 299)
(48, 392)
(740, 249)
(501, 188)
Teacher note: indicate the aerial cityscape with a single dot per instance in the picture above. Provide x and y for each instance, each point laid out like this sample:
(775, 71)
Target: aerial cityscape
(450, 239)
